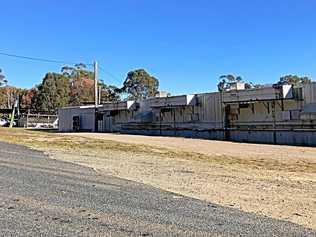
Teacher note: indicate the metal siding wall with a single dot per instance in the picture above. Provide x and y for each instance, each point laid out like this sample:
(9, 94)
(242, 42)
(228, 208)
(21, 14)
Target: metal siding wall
(62, 120)
(247, 117)
(309, 93)
(209, 109)
(204, 120)
(87, 120)
(260, 114)
(66, 115)
(65, 119)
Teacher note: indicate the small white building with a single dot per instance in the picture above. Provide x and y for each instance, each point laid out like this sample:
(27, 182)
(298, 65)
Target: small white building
(81, 118)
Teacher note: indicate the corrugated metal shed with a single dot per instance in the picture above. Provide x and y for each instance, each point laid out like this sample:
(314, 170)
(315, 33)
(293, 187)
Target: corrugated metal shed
(309, 93)
(258, 115)
(121, 105)
(173, 101)
(266, 93)
(86, 116)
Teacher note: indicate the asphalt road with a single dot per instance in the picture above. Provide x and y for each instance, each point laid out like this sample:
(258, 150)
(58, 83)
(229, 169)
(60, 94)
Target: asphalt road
(43, 197)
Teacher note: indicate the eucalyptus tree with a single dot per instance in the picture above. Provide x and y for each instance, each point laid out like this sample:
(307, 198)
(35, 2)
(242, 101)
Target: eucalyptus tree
(139, 84)
(225, 80)
(294, 80)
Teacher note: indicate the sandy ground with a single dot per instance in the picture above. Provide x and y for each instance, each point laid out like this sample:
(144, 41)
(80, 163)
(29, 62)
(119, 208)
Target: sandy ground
(283, 187)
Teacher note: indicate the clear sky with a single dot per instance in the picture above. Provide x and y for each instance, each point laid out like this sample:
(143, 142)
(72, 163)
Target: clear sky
(186, 44)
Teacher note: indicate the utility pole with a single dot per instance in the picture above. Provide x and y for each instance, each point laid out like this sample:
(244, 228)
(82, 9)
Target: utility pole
(100, 95)
(96, 101)
(15, 106)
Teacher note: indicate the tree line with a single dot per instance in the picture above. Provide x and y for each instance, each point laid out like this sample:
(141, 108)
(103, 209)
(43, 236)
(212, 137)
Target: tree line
(73, 86)
(225, 81)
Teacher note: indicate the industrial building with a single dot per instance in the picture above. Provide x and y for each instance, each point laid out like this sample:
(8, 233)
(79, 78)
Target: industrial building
(279, 114)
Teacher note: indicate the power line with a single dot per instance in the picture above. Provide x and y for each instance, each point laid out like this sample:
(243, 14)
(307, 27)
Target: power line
(46, 60)
(110, 74)
(40, 59)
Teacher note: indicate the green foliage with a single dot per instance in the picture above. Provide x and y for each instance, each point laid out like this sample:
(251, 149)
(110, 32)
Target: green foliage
(294, 80)
(81, 84)
(77, 71)
(225, 81)
(81, 91)
(27, 97)
(231, 78)
(140, 85)
(75, 86)
(109, 93)
(52, 93)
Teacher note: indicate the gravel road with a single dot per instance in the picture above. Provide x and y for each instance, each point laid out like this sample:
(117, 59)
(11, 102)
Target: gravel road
(40, 196)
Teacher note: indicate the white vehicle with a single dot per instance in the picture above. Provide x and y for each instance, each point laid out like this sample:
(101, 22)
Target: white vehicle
(3, 122)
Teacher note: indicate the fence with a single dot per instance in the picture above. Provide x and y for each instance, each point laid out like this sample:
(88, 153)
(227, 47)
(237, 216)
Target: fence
(38, 121)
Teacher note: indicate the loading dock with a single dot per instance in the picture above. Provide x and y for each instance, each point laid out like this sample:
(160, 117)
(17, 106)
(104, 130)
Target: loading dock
(277, 115)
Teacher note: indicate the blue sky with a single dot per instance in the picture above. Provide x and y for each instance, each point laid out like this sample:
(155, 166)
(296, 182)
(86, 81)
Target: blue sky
(186, 44)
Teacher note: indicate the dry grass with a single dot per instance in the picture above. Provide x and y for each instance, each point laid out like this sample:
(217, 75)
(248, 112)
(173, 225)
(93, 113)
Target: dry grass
(282, 188)
(51, 140)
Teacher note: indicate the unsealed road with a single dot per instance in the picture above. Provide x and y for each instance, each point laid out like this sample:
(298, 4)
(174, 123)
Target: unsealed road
(43, 197)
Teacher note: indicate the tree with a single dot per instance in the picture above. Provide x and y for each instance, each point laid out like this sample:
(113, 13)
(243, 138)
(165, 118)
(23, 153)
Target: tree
(140, 85)
(226, 80)
(52, 93)
(81, 82)
(109, 92)
(77, 71)
(231, 78)
(27, 98)
(81, 91)
(8, 96)
(3, 81)
(294, 80)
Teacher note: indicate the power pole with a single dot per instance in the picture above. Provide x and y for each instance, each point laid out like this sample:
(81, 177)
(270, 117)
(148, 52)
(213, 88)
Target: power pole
(96, 100)
(100, 94)
(15, 106)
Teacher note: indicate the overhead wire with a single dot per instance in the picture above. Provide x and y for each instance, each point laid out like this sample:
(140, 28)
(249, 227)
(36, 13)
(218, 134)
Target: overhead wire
(46, 60)
(40, 59)
(110, 74)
